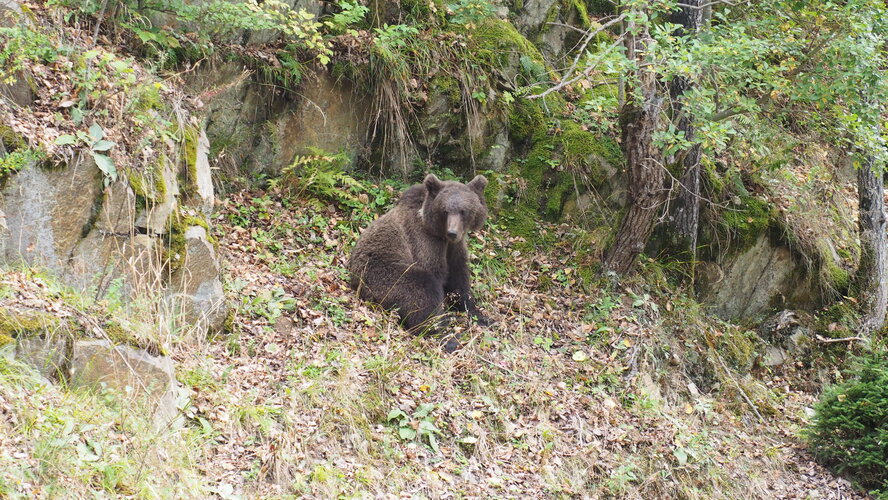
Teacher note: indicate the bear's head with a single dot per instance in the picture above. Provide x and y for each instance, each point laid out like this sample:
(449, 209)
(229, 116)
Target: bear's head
(452, 209)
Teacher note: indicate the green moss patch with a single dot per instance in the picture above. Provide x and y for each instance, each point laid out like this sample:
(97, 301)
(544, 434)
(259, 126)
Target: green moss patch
(748, 220)
(496, 43)
(18, 154)
(149, 185)
(838, 320)
(174, 250)
(739, 347)
(189, 154)
(558, 150)
(447, 86)
(16, 324)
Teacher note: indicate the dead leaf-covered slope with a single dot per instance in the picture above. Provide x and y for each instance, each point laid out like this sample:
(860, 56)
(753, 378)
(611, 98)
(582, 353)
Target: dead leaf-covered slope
(581, 387)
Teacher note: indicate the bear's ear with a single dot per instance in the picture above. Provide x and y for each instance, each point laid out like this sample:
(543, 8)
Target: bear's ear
(478, 184)
(433, 185)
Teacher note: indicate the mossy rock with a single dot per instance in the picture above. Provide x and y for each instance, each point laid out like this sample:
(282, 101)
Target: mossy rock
(32, 323)
(838, 320)
(447, 86)
(189, 153)
(28, 324)
(11, 140)
(6, 340)
(149, 185)
(581, 10)
(835, 279)
(554, 157)
(174, 251)
(748, 220)
(527, 120)
(18, 154)
(740, 347)
(764, 399)
(422, 10)
(601, 7)
(498, 45)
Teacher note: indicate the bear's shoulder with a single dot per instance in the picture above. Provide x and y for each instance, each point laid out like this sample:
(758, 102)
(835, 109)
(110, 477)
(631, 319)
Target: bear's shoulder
(413, 197)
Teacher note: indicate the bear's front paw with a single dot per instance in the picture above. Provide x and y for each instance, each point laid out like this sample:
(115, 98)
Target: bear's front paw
(482, 320)
(451, 345)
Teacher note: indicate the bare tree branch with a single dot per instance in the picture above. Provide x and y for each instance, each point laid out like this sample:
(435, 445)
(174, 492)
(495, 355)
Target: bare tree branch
(565, 80)
(825, 340)
(705, 5)
(585, 73)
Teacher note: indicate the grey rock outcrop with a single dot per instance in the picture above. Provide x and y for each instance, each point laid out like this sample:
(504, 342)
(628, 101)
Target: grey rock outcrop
(48, 354)
(60, 351)
(195, 285)
(761, 278)
(204, 198)
(260, 132)
(99, 364)
(548, 24)
(47, 212)
(154, 218)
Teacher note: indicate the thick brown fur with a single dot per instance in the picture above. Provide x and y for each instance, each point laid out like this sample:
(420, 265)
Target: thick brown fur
(415, 256)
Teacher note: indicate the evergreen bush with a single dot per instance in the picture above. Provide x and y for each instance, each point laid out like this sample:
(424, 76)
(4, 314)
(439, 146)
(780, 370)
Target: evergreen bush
(849, 431)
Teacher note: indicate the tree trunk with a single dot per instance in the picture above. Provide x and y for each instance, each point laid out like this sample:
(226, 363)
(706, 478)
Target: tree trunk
(638, 121)
(872, 274)
(684, 216)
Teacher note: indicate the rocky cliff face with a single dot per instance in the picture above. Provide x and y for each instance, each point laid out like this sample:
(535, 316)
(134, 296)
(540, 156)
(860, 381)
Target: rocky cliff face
(104, 193)
(60, 217)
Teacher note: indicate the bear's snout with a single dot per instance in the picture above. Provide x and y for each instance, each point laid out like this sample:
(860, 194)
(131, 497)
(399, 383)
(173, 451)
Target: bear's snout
(454, 227)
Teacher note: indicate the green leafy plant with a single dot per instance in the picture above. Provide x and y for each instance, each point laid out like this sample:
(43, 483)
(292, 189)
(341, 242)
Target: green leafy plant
(392, 41)
(350, 13)
(420, 425)
(469, 12)
(849, 431)
(97, 145)
(212, 23)
(20, 44)
(14, 161)
(322, 174)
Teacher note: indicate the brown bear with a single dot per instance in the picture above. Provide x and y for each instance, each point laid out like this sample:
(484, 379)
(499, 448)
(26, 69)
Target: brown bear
(415, 256)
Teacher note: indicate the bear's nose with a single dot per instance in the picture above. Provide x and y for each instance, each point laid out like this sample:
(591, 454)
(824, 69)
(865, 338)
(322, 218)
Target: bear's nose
(452, 234)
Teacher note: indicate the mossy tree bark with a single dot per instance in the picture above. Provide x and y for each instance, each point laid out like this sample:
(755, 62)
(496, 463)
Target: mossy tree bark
(646, 192)
(684, 217)
(872, 274)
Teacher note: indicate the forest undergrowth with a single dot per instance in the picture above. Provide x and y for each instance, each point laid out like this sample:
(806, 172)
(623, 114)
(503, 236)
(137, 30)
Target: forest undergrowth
(581, 387)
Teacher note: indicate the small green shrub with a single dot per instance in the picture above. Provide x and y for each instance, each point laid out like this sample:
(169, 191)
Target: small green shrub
(850, 428)
(322, 175)
(469, 12)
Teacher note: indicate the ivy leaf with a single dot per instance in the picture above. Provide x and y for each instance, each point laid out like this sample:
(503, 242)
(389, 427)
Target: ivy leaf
(85, 453)
(423, 410)
(64, 140)
(681, 455)
(395, 414)
(427, 427)
(103, 145)
(433, 442)
(96, 132)
(406, 432)
(106, 165)
(76, 116)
